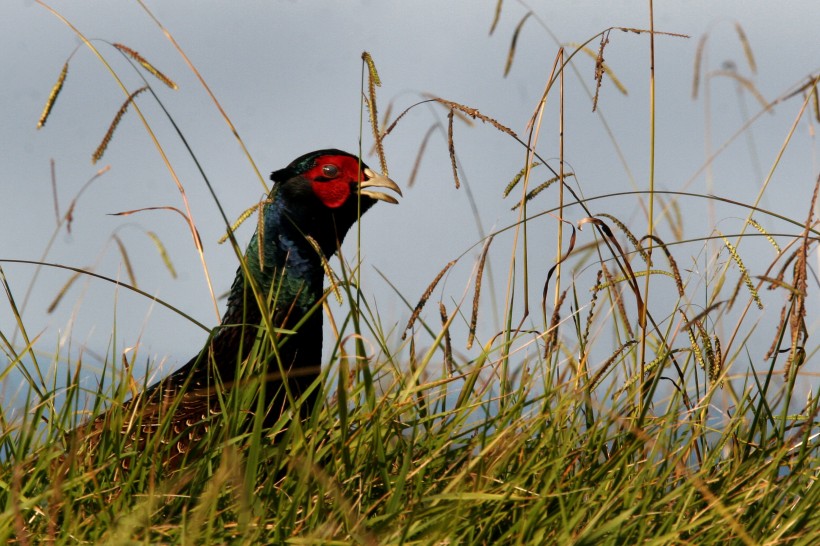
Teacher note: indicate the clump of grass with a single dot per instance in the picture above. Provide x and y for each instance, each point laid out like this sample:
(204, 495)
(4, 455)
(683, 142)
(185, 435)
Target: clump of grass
(576, 442)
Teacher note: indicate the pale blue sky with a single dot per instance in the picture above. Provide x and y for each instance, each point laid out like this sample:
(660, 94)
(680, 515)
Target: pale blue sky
(288, 75)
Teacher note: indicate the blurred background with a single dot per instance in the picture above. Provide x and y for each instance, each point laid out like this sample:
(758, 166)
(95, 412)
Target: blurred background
(289, 76)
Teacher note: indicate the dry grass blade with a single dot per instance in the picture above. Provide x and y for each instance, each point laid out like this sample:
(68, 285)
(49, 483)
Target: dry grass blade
(648, 369)
(475, 114)
(448, 347)
(779, 280)
(713, 367)
(496, 16)
(422, 148)
(698, 62)
(716, 369)
(459, 115)
(98, 153)
(387, 113)
(810, 87)
(145, 209)
(552, 269)
(593, 301)
(477, 293)
(810, 83)
(226, 478)
(797, 312)
(56, 301)
(374, 81)
(703, 314)
(334, 284)
(517, 178)
(541, 187)
(260, 233)
(781, 323)
(451, 147)
(396, 121)
(647, 31)
(147, 66)
(693, 343)
(592, 383)
(166, 259)
(744, 273)
(630, 236)
(747, 47)
(746, 83)
(16, 490)
(676, 220)
(642, 273)
(52, 96)
(172, 209)
(733, 297)
(551, 337)
(69, 216)
(599, 69)
(240, 220)
(619, 301)
(425, 297)
(516, 33)
(775, 282)
(54, 196)
(673, 265)
(463, 112)
(630, 275)
(129, 270)
(371, 69)
(815, 102)
(755, 224)
(538, 111)
(385, 118)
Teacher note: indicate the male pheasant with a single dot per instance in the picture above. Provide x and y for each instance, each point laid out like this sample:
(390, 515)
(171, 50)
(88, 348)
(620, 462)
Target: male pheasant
(314, 202)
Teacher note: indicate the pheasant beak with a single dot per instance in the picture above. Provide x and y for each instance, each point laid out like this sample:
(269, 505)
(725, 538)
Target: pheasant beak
(376, 180)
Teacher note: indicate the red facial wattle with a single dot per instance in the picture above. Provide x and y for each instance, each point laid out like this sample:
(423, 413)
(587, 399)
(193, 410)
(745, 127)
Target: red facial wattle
(333, 193)
(333, 178)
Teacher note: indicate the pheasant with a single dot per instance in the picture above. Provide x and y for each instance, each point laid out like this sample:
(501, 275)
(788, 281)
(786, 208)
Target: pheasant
(314, 202)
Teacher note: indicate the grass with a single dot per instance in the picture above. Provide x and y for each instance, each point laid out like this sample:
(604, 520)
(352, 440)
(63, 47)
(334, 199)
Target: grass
(622, 411)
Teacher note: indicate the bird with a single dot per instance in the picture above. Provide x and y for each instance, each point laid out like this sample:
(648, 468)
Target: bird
(313, 203)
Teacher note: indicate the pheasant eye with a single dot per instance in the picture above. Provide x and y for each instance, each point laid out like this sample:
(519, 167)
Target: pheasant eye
(330, 171)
